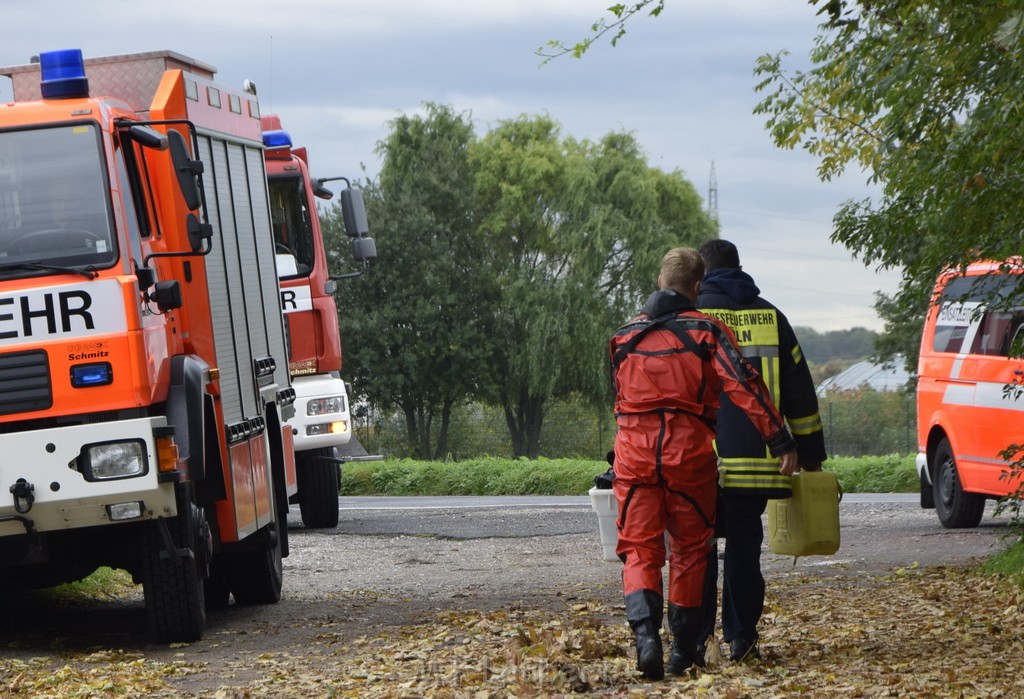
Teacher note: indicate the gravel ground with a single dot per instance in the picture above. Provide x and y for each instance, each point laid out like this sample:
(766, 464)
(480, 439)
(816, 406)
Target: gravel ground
(383, 569)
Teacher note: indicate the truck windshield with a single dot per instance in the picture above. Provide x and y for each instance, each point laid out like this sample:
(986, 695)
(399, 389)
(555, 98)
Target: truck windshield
(54, 199)
(292, 232)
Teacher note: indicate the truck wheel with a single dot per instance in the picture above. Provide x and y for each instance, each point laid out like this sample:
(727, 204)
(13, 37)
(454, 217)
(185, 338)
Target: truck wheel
(173, 585)
(317, 479)
(255, 577)
(956, 509)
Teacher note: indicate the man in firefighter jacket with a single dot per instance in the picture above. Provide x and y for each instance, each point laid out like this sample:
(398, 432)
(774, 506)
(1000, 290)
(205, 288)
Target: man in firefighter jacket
(668, 366)
(749, 474)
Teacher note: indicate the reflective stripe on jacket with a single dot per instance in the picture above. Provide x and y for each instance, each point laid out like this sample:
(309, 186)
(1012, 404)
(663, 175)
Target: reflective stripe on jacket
(768, 342)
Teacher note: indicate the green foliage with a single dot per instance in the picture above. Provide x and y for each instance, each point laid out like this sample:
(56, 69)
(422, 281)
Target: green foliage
(484, 476)
(924, 96)
(616, 25)
(104, 582)
(506, 263)
(853, 344)
(891, 473)
(493, 476)
(1009, 562)
(575, 231)
(865, 421)
(416, 327)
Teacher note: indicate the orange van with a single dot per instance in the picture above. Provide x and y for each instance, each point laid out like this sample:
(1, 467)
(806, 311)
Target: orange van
(969, 404)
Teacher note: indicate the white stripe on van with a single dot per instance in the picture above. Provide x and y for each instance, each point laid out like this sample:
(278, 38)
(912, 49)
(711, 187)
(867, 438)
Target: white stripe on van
(958, 364)
(985, 394)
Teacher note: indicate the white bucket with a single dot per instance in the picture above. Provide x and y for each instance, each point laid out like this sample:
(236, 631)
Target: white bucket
(607, 509)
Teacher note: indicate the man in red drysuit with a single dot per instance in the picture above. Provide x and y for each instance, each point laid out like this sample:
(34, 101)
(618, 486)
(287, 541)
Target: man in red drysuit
(668, 366)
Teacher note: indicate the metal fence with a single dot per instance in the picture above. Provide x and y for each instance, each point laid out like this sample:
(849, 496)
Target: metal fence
(860, 422)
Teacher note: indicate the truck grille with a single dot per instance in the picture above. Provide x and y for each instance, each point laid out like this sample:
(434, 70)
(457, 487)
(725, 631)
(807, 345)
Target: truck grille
(24, 382)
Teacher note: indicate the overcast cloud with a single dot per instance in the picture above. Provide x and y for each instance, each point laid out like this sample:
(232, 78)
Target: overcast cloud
(338, 71)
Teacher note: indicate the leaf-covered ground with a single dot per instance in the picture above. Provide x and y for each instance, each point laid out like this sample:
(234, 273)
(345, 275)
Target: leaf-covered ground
(939, 632)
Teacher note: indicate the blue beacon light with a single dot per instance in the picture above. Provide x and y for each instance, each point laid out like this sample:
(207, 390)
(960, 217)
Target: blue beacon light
(63, 74)
(277, 138)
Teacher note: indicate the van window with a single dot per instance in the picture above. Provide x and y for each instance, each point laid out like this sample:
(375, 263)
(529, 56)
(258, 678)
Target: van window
(959, 306)
(951, 326)
(997, 332)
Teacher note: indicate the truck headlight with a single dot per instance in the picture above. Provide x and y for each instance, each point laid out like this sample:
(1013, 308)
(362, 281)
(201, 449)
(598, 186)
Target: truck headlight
(324, 406)
(113, 460)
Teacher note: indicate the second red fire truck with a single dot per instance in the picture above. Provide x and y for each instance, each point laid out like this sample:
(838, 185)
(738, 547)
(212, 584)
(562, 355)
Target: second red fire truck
(322, 421)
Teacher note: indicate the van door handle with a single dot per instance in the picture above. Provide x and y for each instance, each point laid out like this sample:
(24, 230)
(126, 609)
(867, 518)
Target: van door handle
(1018, 372)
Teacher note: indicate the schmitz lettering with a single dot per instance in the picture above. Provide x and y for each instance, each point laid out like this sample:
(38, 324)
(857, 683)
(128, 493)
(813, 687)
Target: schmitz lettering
(61, 312)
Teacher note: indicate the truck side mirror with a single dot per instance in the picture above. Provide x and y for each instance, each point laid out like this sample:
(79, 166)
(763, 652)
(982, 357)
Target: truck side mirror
(364, 249)
(353, 212)
(148, 137)
(197, 232)
(167, 295)
(187, 169)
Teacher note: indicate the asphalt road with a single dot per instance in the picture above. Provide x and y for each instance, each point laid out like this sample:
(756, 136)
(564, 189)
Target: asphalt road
(506, 546)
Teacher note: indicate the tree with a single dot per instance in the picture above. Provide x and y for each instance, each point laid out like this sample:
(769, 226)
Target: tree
(414, 327)
(575, 232)
(923, 96)
(852, 344)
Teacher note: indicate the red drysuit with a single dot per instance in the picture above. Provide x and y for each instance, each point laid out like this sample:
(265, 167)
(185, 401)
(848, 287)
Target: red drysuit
(668, 366)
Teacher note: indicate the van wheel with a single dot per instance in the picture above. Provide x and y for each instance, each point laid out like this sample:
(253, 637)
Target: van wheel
(955, 508)
(317, 478)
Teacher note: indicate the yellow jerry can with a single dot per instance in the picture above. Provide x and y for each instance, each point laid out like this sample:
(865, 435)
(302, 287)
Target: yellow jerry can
(806, 524)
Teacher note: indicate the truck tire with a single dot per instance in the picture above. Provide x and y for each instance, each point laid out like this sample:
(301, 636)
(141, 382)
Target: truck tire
(173, 585)
(256, 577)
(317, 477)
(956, 509)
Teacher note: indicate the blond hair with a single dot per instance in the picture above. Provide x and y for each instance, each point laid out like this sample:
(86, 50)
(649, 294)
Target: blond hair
(681, 268)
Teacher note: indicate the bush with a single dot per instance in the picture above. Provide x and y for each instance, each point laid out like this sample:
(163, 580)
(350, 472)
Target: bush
(875, 474)
(494, 476)
(485, 476)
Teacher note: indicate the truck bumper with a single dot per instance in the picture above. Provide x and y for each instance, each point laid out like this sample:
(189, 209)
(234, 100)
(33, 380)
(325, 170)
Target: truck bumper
(312, 427)
(56, 494)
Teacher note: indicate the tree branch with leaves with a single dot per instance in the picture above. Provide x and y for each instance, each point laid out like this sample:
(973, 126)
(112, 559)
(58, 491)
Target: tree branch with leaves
(615, 25)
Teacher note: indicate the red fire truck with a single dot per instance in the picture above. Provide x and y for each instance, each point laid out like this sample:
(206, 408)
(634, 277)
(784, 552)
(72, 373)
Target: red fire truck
(144, 389)
(322, 421)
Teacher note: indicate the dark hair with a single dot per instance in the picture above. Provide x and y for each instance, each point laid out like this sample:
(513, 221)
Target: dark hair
(719, 254)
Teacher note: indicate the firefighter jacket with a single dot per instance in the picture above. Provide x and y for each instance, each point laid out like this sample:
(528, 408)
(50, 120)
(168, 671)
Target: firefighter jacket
(768, 342)
(669, 366)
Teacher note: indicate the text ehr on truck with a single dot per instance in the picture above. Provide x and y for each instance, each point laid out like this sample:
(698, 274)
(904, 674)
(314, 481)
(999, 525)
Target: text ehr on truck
(322, 422)
(144, 388)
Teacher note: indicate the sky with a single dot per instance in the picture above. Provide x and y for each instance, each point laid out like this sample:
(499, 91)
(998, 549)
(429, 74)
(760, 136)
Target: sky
(338, 71)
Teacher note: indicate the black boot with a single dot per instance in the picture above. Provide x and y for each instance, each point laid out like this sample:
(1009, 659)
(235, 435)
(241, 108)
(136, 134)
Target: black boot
(644, 611)
(684, 623)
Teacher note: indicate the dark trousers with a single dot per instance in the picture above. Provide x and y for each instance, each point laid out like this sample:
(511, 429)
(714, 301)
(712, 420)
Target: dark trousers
(742, 583)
